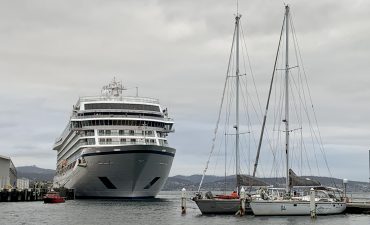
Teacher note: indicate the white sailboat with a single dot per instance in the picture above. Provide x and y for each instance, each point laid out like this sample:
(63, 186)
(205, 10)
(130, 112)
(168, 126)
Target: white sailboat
(286, 204)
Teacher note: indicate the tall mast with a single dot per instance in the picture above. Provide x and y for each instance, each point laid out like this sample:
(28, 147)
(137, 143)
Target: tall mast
(286, 120)
(237, 160)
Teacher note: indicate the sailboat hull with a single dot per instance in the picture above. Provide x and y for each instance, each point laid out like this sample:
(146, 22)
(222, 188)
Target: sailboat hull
(220, 206)
(277, 208)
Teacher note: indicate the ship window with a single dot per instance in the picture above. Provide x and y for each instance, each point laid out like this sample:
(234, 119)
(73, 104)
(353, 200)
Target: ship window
(132, 132)
(101, 132)
(107, 132)
(102, 140)
(133, 140)
(109, 140)
(122, 106)
(123, 140)
(91, 141)
(121, 132)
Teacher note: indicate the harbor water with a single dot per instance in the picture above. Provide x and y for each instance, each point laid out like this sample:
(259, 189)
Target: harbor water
(165, 209)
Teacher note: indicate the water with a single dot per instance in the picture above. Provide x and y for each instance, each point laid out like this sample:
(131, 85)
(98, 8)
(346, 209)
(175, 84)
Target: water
(164, 210)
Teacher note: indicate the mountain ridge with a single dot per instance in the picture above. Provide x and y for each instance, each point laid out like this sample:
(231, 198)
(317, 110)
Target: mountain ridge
(191, 182)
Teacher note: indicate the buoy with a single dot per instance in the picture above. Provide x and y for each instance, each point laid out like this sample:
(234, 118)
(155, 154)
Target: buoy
(183, 201)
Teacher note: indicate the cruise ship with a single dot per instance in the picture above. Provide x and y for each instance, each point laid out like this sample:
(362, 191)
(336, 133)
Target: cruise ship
(115, 146)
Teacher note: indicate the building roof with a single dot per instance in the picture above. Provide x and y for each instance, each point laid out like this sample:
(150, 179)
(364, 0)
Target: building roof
(5, 157)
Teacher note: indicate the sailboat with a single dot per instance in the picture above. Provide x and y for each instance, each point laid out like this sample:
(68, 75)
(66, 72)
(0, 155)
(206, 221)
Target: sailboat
(287, 203)
(229, 203)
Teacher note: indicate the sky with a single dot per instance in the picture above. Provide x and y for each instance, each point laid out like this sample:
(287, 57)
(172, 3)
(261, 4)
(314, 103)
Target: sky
(52, 52)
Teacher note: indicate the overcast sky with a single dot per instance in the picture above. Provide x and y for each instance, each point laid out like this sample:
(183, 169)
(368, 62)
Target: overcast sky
(52, 52)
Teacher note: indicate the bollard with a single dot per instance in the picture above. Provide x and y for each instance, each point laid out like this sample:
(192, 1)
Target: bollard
(312, 203)
(242, 201)
(183, 201)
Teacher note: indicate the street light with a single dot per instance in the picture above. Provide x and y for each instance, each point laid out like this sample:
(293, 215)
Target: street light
(345, 182)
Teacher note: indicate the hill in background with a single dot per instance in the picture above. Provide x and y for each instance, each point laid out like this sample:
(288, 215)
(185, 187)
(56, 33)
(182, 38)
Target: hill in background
(191, 182)
(35, 173)
(220, 183)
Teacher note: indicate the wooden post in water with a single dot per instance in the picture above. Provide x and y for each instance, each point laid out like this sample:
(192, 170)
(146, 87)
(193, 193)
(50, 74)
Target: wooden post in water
(183, 201)
(242, 201)
(312, 204)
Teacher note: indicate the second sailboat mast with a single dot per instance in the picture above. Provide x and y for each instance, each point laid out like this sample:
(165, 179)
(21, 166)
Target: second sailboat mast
(237, 160)
(286, 120)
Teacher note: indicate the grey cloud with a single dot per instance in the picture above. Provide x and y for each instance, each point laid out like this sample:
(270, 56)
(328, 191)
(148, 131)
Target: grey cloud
(53, 52)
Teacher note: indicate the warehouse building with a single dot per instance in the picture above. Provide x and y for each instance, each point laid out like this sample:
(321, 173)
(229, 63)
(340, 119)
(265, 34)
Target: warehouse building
(8, 173)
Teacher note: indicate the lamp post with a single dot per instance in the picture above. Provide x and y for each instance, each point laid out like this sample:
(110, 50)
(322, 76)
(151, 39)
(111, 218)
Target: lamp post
(345, 181)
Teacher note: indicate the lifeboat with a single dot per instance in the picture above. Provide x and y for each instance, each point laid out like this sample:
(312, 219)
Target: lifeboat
(53, 197)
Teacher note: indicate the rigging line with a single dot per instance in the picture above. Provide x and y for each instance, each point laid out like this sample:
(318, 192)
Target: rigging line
(299, 90)
(248, 118)
(298, 115)
(267, 105)
(282, 94)
(314, 111)
(312, 131)
(308, 163)
(250, 69)
(269, 141)
(249, 137)
(295, 101)
(255, 87)
(226, 125)
(219, 112)
(304, 103)
(228, 102)
(277, 117)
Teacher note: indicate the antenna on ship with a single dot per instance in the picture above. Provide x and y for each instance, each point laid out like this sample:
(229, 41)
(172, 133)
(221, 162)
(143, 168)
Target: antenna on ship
(114, 88)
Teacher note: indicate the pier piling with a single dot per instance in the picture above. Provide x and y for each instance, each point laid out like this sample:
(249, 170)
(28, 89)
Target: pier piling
(312, 204)
(242, 202)
(183, 201)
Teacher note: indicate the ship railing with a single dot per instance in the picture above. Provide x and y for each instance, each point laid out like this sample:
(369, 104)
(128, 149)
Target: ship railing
(121, 116)
(132, 99)
(141, 142)
(125, 135)
(66, 130)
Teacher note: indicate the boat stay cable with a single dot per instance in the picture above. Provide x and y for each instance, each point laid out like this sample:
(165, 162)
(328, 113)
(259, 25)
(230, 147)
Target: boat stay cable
(268, 103)
(219, 113)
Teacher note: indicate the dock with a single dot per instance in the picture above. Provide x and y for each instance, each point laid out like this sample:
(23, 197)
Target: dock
(15, 195)
(32, 194)
(358, 208)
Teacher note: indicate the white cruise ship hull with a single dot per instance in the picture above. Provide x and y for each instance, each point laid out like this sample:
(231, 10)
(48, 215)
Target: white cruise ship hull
(131, 171)
(277, 208)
